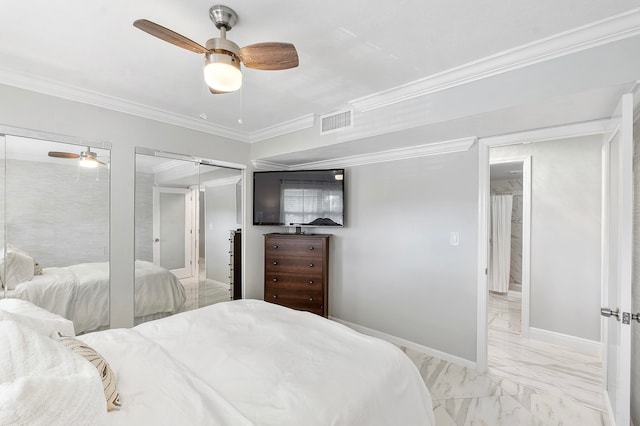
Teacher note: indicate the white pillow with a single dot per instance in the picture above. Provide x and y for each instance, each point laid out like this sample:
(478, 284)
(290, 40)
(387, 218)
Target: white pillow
(41, 381)
(40, 319)
(19, 267)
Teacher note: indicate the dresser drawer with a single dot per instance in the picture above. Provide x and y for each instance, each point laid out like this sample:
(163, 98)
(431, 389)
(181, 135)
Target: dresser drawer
(294, 298)
(306, 266)
(278, 246)
(300, 284)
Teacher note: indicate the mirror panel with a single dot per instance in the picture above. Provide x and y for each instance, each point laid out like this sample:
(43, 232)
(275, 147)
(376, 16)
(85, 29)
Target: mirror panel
(185, 210)
(221, 202)
(3, 270)
(56, 212)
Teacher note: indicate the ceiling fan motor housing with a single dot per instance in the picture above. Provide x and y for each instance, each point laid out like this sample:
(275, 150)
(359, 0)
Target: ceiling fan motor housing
(222, 44)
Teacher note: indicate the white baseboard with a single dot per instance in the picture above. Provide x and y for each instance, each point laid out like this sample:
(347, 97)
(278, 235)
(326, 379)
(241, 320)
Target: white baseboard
(586, 346)
(407, 344)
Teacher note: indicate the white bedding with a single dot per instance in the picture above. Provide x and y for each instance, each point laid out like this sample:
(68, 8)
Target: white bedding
(81, 292)
(42, 383)
(252, 362)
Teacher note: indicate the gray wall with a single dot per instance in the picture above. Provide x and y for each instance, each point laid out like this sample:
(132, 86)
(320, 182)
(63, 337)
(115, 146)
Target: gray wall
(58, 213)
(565, 233)
(635, 285)
(220, 219)
(391, 267)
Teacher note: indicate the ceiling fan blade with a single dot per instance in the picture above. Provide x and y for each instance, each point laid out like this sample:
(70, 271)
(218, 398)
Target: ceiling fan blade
(216, 92)
(269, 56)
(169, 36)
(59, 154)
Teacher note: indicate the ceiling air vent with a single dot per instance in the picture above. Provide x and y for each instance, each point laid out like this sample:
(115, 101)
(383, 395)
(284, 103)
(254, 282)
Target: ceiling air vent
(333, 122)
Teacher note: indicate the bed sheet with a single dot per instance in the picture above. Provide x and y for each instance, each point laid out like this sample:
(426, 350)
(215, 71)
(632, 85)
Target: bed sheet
(273, 366)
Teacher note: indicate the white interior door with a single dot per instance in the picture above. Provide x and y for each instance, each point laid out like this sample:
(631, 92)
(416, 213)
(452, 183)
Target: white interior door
(617, 240)
(172, 230)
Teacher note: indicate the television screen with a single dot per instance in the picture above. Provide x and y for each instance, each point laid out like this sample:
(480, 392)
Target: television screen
(299, 198)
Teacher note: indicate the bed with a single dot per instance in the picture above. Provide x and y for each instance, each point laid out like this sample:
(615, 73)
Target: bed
(246, 362)
(81, 292)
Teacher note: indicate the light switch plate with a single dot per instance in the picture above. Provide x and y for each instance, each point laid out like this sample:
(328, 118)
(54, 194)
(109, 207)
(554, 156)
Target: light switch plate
(454, 238)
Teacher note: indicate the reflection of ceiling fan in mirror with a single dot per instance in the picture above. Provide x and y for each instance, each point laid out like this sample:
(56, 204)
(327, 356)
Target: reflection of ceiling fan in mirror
(87, 158)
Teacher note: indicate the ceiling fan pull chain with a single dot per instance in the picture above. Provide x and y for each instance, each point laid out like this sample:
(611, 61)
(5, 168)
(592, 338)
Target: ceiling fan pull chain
(240, 122)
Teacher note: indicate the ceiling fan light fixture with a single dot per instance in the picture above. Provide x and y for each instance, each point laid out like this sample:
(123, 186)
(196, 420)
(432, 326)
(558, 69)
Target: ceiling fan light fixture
(222, 72)
(88, 160)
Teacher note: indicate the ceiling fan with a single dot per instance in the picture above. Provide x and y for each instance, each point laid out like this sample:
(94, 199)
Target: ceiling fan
(223, 57)
(87, 158)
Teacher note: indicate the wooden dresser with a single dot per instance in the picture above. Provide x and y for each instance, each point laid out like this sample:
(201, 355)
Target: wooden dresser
(296, 271)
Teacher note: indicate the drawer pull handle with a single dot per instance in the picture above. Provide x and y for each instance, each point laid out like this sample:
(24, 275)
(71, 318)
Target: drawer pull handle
(310, 281)
(311, 299)
(311, 265)
(275, 280)
(275, 262)
(311, 248)
(275, 246)
(275, 296)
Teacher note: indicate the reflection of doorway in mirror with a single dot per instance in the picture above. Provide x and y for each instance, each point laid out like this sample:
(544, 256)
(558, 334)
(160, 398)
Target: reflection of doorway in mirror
(173, 230)
(221, 204)
(55, 205)
(191, 206)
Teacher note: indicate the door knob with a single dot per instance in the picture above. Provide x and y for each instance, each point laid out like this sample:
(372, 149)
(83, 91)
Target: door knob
(157, 240)
(607, 312)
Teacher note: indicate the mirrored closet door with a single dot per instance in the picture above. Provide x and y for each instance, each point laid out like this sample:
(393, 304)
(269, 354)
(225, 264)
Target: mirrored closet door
(187, 213)
(55, 222)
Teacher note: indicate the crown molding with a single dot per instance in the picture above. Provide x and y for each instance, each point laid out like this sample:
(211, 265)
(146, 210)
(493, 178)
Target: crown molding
(38, 84)
(269, 165)
(587, 128)
(300, 123)
(221, 182)
(617, 27)
(436, 148)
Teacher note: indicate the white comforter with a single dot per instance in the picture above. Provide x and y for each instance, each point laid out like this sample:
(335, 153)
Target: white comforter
(81, 292)
(251, 362)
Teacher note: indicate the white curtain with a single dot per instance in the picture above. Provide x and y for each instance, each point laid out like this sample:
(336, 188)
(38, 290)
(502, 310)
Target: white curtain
(500, 253)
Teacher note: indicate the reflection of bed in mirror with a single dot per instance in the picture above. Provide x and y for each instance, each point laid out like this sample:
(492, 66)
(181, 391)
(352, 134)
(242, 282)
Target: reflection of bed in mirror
(81, 293)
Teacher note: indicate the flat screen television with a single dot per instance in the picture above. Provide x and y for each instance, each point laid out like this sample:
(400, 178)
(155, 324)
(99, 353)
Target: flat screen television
(299, 198)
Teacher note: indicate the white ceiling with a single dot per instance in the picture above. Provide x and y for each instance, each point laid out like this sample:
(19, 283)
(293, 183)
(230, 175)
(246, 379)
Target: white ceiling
(89, 50)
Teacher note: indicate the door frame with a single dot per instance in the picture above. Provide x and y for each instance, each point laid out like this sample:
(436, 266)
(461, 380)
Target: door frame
(595, 127)
(526, 235)
(624, 114)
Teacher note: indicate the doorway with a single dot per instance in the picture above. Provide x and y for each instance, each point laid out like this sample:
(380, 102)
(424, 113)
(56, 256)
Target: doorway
(173, 228)
(534, 339)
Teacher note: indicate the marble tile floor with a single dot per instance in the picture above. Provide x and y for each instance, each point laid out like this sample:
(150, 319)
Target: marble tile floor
(528, 383)
(203, 293)
(543, 366)
(461, 396)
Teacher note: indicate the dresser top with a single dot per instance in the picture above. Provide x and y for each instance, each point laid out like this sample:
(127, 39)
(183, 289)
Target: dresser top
(286, 234)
